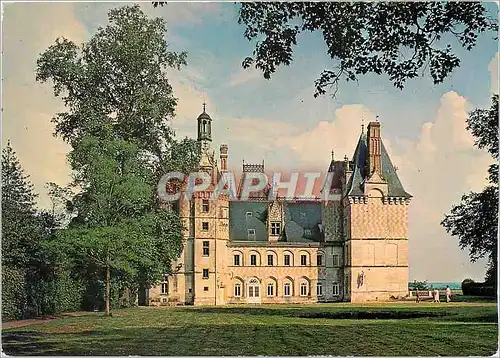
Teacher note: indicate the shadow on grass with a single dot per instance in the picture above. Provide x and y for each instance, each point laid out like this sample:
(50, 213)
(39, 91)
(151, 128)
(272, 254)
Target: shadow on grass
(326, 313)
(384, 339)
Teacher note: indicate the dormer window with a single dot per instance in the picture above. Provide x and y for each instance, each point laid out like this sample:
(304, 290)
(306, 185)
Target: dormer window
(248, 214)
(275, 229)
(307, 232)
(251, 234)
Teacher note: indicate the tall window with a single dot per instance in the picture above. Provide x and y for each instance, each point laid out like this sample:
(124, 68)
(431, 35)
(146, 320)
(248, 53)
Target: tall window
(287, 290)
(204, 226)
(319, 260)
(205, 206)
(206, 248)
(237, 290)
(303, 288)
(335, 289)
(205, 273)
(275, 229)
(253, 260)
(164, 288)
(287, 260)
(270, 289)
(270, 260)
(335, 260)
(236, 260)
(319, 289)
(303, 260)
(251, 234)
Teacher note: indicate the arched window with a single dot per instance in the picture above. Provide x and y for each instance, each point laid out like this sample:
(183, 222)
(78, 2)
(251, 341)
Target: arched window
(204, 126)
(319, 289)
(304, 289)
(287, 290)
(253, 288)
(237, 290)
(270, 289)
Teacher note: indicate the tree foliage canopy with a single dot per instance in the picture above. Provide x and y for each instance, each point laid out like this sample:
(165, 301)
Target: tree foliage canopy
(118, 78)
(399, 39)
(475, 220)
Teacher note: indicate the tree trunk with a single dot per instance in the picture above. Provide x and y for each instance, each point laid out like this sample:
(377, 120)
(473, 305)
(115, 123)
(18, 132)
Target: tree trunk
(108, 286)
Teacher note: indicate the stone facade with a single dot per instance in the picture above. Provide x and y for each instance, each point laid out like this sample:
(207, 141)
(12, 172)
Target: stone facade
(353, 247)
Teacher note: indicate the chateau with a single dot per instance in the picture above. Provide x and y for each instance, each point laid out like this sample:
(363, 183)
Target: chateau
(353, 247)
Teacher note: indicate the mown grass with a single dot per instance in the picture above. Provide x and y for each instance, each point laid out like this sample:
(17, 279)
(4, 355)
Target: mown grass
(400, 329)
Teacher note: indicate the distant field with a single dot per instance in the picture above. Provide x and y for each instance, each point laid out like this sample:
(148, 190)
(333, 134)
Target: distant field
(402, 329)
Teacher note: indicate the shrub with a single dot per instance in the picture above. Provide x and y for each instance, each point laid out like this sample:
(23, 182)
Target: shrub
(13, 294)
(471, 288)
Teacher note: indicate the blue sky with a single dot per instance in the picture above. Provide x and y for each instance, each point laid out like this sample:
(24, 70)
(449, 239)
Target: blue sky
(423, 126)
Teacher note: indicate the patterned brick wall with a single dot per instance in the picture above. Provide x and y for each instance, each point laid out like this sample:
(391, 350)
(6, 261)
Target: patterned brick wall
(378, 220)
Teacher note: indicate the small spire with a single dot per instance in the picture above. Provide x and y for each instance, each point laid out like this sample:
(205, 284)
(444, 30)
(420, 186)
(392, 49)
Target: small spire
(376, 118)
(332, 155)
(204, 106)
(362, 125)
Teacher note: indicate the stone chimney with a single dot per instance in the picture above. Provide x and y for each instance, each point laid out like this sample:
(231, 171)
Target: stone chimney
(223, 157)
(374, 149)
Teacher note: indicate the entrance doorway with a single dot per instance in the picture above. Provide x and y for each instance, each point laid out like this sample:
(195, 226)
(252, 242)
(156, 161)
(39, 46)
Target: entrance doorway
(253, 291)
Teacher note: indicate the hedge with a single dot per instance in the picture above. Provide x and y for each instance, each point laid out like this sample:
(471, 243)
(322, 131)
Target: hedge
(471, 288)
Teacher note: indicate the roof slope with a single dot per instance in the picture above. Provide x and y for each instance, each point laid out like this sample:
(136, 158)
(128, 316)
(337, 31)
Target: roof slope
(302, 221)
(355, 187)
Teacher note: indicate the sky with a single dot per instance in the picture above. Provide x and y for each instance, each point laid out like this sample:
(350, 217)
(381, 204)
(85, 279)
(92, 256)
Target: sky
(279, 121)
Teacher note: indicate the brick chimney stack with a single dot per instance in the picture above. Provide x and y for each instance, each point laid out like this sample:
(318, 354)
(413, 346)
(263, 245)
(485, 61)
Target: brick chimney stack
(223, 157)
(374, 149)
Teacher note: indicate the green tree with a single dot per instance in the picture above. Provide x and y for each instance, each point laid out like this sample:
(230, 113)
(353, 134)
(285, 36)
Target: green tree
(19, 234)
(399, 39)
(418, 285)
(475, 220)
(118, 101)
(24, 230)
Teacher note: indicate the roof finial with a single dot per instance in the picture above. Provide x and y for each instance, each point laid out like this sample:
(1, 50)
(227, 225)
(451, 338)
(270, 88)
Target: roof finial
(376, 118)
(204, 106)
(332, 155)
(362, 125)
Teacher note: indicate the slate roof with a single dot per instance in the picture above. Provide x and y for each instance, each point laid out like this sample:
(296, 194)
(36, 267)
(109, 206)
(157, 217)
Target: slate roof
(355, 188)
(302, 221)
(204, 115)
(240, 222)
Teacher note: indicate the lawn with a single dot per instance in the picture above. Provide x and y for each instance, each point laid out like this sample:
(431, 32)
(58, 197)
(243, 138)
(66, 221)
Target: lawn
(402, 329)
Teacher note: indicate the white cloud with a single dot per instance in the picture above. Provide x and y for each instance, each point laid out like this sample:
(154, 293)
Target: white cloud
(438, 168)
(493, 68)
(244, 76)
(183, 13)
(313, 147)
(27, 106)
